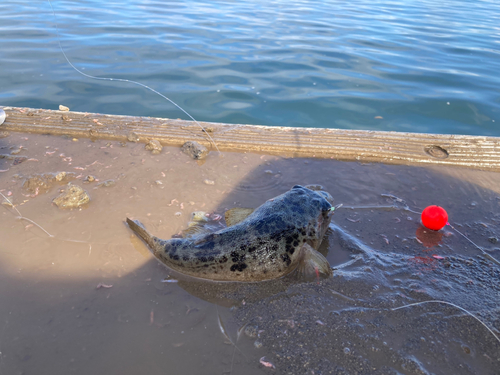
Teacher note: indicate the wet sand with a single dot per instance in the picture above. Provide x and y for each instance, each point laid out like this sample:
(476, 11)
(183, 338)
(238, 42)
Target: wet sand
(54, 319)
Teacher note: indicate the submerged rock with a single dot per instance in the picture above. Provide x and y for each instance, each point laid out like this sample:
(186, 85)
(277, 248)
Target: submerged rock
(133, 137)
(45, 181)
(73, 196)
(154, 146)
(107, 183)
(195, 150)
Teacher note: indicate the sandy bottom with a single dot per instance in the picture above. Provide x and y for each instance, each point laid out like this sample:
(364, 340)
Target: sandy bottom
(90, 299)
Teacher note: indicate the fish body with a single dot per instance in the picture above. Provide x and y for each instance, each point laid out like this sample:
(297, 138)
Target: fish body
(279, 237)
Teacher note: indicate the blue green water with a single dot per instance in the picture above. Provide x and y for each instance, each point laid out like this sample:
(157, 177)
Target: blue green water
(422, 66)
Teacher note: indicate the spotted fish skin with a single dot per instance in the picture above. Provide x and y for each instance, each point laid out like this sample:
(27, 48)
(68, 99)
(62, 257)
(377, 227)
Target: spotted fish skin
(266, 245)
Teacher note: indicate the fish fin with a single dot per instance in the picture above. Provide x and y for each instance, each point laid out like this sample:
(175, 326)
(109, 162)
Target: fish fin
(236, 215)
(312, 264)
(138, 228)
(194, 230)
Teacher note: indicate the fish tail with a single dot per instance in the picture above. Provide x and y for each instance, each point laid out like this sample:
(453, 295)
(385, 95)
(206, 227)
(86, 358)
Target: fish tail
(140, 231)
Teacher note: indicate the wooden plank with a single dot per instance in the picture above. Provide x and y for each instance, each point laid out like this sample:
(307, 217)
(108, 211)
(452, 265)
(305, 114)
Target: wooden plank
(365, 146)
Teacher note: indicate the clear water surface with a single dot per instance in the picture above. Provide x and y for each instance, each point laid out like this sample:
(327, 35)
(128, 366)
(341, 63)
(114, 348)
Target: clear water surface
(418, 66)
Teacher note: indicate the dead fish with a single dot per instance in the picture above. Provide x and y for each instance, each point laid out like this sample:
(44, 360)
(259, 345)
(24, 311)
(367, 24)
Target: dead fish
(279, 237)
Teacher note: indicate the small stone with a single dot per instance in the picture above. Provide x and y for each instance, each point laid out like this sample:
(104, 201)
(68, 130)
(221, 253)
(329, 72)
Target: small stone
(61, 176)
(493, 240)
(89, 178)
(154, 146)
(132, 137)
(195, 150)
(65, 118)
(63, 108)
(158, 182)
(75, 139)
(73, 196)
(257, 344)
(107, 183)
(16, 151)
(209, 182)
(3, 115)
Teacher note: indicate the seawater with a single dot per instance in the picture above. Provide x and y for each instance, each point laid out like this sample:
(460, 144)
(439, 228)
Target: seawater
(426, 66)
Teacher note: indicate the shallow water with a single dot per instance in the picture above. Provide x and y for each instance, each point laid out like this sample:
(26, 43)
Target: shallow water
(53, 318)
(387, 65)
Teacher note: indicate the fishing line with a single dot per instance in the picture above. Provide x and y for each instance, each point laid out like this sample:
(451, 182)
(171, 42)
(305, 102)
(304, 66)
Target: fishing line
(21, 217)
(451, 304)
(124, 80)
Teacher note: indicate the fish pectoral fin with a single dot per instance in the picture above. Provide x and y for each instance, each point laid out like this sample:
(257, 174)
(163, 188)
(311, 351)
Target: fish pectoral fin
(312, 264)
(194, 230)
(236, 215)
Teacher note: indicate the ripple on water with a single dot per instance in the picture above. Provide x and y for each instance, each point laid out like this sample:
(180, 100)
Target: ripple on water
(265, 180)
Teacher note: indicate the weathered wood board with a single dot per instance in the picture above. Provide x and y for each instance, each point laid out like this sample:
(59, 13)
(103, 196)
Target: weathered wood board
(365, 146)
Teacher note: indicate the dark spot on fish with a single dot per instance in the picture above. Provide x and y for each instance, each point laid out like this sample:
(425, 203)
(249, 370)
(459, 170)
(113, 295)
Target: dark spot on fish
(210, 258)
(174, 257)
(295, 243)
(251, 249)
(286, 259)
(203, 259)
(223, 259)
(238, 267)
(276, 237)
(205, 265)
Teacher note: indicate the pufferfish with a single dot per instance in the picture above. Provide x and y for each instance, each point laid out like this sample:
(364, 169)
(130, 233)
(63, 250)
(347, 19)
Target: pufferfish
(278, 238)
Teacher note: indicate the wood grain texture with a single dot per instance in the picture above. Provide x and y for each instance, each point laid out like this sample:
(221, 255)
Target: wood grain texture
(365, 146)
